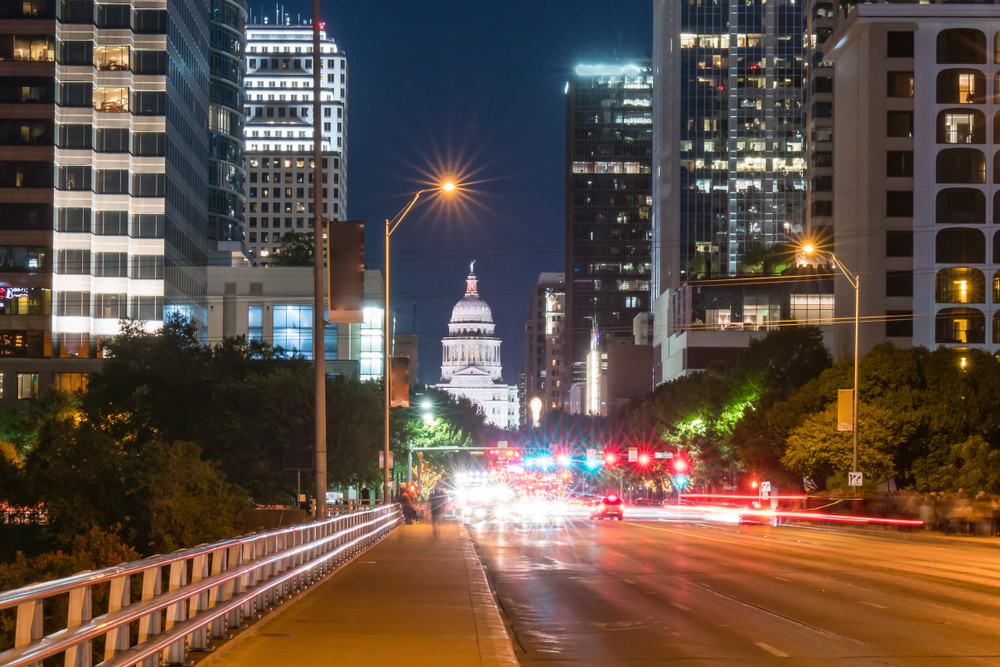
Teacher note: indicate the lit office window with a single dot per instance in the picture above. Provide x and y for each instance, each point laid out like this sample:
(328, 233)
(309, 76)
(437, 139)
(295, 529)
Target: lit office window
(293, 329)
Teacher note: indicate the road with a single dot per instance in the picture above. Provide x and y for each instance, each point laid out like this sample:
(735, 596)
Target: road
(660, 592)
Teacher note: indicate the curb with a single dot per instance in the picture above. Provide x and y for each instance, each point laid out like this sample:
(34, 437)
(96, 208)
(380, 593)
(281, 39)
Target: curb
(495, 648)
(251, 628)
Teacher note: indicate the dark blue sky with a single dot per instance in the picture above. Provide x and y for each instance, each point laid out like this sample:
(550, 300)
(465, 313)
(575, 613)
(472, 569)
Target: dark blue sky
(478, 83)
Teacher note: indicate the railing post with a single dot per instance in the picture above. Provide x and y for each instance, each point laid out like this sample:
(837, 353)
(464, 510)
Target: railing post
(199, 638)
(117, 638)
(175, 654)
(218, 594)
(249, 579)
(234, 587)
(80, 611)
(29, 624)
(149, 625)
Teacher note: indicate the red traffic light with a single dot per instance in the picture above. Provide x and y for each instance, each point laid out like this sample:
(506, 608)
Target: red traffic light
(609, 459)
(753, 484)
(644, 459)
(680, 465)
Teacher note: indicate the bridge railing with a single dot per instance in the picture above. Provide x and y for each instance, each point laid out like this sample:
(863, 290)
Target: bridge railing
(188, 597)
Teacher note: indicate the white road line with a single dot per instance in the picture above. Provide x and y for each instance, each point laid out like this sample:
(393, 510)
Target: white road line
(783, 579)
(872, 604)
(680, 606)
(628, 581)
(771, 649)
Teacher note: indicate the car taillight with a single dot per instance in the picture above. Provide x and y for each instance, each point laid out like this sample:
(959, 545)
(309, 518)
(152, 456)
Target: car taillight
(602, 505)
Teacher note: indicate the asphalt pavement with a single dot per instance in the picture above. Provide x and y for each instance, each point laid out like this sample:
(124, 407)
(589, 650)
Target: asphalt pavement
(648, 592)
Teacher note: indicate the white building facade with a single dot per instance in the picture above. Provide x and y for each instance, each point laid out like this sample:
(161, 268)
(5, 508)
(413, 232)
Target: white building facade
(279, 134)
(470, 361)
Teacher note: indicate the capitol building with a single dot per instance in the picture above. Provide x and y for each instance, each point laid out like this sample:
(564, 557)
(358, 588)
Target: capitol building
(470, 361)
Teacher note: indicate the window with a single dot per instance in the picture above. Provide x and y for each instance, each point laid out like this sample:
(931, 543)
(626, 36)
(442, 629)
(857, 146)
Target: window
(900, 84)
(149, 308)
(821, 84)
(960, 325)
(70, 382)
(961, 165)
(75, 53)
(113, 264)
(899, 44)
(960, 285)
(74, 178)
(960, 206)
(27, 385)
(111, 140)
(151, 21)
(822, 110)
(899, 283)
(899, 324)
(899, 124)
(75, 94)
(110, 306)
(899, 204)
(112, 182)
(147, 267)
(899, 163)
(113, 99)
(961, 86)
(255, 323)
(150, 62)
(961, 45)
(117, 16)
(73, 220)
(150, 103)
(961, 126)
(293, 329)
(898, 243)
(811, 308)
(111, 223)
(73, 262)
(73, 304)
(822, 209)
(23, 174)
(75, 136)
(149, 185)
(113, 58)
(148, 225)
(960, 245)
(823, 183)
(149, 144)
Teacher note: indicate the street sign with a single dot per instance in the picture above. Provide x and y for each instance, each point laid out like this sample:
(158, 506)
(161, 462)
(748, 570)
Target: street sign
(855, 479)
(663, 455)
(591, 453)
(381, 459)
(633, 454)
(765, 487)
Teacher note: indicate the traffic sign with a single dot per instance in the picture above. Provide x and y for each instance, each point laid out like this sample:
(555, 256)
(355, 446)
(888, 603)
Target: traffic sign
(591, 453)
(765, 487)
(633, 454)
(855, 479)
(663, 455)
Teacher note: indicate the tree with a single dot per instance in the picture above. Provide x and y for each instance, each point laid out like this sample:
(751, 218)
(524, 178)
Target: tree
(297, 249)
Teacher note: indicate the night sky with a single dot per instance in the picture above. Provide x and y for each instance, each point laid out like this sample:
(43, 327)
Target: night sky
(474, 86)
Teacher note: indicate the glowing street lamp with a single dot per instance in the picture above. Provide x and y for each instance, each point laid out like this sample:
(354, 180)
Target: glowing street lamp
(390, 227)
(855, 281)
(536, 410)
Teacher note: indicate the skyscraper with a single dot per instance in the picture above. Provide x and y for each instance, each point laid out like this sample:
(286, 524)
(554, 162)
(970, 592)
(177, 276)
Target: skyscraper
(103, 195)
(608, 202)
(729, 167)
(544, 355)
(279, 133)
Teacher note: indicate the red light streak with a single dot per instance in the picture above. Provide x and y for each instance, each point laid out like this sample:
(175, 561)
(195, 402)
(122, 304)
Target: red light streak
(727, 495)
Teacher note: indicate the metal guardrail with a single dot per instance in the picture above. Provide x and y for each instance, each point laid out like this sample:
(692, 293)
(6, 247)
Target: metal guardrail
(209, 589)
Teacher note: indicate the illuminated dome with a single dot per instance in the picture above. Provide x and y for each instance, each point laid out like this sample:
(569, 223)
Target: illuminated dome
(471, 316)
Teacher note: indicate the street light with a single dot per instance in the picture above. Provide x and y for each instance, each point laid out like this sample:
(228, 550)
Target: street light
(390, 227)
(855, 281)
(536, 409)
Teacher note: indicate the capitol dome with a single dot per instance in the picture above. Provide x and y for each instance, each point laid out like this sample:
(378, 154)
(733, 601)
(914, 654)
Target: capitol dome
(472, 309)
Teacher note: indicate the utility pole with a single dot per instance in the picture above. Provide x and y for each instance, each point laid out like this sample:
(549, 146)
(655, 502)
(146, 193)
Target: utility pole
(319, 321)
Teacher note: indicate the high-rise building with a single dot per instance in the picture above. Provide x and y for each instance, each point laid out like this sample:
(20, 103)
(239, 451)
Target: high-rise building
(608, 201)
(103, 178)
(729, 174)
(226, 173)
(914, 181)
(543, 347)
(279, 133)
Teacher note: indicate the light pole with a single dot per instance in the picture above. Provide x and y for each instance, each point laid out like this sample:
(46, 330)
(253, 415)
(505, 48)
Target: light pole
(855, 281)
(390, 227)
(319, 321)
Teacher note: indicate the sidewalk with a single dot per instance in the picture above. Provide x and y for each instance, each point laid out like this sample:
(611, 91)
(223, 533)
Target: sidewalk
(414, 599)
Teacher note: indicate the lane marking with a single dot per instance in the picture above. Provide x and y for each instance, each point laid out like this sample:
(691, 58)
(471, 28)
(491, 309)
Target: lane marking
(771, 650)
(783, 579)
(680, 606)
(628, 581)
(872, 604)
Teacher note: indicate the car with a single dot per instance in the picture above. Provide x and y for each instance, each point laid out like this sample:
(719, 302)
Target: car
(757, 513)
(610, 507)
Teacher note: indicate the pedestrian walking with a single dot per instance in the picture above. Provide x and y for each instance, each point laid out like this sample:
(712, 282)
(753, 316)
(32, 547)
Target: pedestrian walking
(438, 500)
(406, 502)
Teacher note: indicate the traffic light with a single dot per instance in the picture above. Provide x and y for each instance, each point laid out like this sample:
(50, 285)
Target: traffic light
(564, 460)
(610, 458)
(644, 459)
(680, 465)
(681, 481)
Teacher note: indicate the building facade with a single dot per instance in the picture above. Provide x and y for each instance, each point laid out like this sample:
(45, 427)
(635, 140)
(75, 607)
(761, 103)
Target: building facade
(470, 359)
(608, 202)
(279, 134)
(915, 112)
(728, 160)
(103, 178)
(544, 358)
